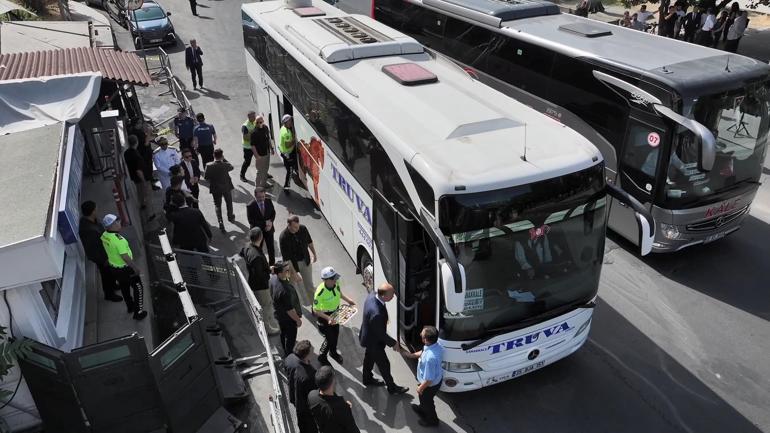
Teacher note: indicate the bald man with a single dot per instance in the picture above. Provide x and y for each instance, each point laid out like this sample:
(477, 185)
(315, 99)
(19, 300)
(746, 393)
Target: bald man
(374, 337)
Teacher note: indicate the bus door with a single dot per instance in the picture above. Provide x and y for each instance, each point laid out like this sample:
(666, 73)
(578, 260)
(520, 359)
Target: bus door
(644, 147)
(407, 258)
(278, 107)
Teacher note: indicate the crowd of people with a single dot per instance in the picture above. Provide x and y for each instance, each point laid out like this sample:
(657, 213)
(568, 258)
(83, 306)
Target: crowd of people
(274, 276)
(699, 24)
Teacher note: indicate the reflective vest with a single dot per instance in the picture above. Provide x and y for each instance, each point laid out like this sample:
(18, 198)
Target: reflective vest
(115, 246)
(250, 126)
(327, 300)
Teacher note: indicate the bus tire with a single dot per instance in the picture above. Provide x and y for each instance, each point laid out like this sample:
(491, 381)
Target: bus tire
(366, 267)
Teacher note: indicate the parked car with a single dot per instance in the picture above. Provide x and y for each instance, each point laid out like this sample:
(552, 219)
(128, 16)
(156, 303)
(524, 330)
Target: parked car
(152, 24)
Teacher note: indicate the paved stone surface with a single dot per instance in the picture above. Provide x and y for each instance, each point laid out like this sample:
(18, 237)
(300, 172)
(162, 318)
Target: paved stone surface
(679, 342)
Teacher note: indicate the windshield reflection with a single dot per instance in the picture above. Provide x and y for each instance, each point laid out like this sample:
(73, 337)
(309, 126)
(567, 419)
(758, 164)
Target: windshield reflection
(529, 253)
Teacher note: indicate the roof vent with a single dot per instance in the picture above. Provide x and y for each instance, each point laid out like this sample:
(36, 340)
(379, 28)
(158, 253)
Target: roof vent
(309, 12)
(409, 74)
(349, 39)
(493, 12)
(352, 31)
(587, 30)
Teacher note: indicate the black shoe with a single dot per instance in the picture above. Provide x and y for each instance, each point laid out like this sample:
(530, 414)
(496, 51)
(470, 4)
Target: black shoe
(397, 390)
(337, 357)
(130, 309)
(155, 188)
(113, 298)
(243, 179)
(231, 218)
(139, 315)
(426, 423)
(221, 226)
(143, 207)
(373, 382)
(416, 408)
(323, 359)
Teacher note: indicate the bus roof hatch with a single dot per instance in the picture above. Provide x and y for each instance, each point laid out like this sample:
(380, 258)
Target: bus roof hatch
(350, 39)
(496, 10)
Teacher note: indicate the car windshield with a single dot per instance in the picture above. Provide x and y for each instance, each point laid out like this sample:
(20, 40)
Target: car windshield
(739, 121)
(149, 14)
(526, 250)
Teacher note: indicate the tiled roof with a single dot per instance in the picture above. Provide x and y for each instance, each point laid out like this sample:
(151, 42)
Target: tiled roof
(114, 65)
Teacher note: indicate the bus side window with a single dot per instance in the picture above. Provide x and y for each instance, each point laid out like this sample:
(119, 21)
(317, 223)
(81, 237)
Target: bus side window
(641, 155)
(468, 43)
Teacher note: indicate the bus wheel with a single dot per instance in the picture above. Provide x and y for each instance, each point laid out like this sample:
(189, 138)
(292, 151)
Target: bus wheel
(367, 272)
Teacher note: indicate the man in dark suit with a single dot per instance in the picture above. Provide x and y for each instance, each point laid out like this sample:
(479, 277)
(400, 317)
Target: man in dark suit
(261, 213)
(191, 231)
(374, 337)
(301, 375)
(221, 186)
(193, 62)
(192, 173)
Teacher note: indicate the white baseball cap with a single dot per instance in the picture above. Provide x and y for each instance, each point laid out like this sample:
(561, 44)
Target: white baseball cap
(285, 118)
(328, 273)
(109, 220)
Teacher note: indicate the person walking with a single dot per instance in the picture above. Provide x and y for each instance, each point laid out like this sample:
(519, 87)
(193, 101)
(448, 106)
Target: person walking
(193, 59)
(301, 381)
(184, 126)
(373, 337)
(736, 31)
(165, 158)
(429, 375)
(122, 266)
(332, 414)
(136, 171)
(247, 129)
(259, 277)
(191, 171)
(326, 302)
(261, 213)
(262, 149)
(221, 186)
(296, 246)
(204, 139)
(191, 230)
(288, 311)
(286, 146)
(90, 232)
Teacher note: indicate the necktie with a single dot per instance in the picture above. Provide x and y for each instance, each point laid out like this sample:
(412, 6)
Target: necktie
(262, 207)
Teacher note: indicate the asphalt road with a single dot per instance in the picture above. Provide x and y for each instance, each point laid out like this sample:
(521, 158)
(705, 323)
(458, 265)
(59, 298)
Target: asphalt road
(679, 342)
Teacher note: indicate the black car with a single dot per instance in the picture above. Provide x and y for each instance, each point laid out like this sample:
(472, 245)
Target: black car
(152, 24)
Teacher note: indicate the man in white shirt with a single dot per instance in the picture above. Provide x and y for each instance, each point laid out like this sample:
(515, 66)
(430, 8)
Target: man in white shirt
(708, 22)
(164, 158)
(735, 33)
(643, 15)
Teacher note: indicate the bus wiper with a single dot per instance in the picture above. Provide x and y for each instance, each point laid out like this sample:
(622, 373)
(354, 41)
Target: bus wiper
(524, 323)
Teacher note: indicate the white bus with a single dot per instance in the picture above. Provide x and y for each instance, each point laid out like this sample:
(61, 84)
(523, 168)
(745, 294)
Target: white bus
(487, 217)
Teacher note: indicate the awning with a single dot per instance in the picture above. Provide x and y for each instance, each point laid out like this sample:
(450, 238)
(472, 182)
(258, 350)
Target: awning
(118, 66)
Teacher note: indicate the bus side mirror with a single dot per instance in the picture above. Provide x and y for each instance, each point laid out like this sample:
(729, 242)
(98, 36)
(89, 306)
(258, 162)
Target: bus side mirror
(644, 219)
(707, 142)
(454, 297)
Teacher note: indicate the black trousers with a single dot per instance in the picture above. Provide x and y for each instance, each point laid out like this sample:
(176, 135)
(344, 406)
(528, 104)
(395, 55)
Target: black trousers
(331, 335)
(306, 423)
(247, 155)
(269, 242)
(228, 196)
(124, 278)
(288, 336)
(195, 191)
(376, 356)
(427, 405)
(194, 9)
(186, 143)
(289, 164)
(206, 153)
(732, 45)
(197, 70)
(109, 284)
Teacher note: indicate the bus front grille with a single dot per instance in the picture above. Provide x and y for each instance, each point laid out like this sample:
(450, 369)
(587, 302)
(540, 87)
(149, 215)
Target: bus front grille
(718, 221)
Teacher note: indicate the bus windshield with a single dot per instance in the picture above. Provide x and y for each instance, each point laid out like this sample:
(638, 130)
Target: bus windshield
(739, 120)
(526, 250)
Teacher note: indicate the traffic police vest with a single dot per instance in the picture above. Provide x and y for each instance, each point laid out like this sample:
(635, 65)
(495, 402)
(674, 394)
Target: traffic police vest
(327, 300)
(115, 246)
(250, 126)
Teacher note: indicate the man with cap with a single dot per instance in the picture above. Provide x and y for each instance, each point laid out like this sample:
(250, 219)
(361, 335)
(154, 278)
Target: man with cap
(122, 266)
(287, 148)
(326, 302)
(288, 311)
(90, 232)
(165, 158)
(184, 126)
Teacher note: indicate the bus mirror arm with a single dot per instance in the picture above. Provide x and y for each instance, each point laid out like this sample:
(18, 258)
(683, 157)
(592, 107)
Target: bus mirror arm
(452, 272)
(706, 139)
(644, 218)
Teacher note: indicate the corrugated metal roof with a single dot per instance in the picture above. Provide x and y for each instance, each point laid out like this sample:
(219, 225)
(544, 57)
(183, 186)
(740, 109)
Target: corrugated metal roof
(114, 65)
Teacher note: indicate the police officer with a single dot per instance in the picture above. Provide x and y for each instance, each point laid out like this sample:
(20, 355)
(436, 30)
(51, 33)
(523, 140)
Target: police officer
(326, 302)
(122, 265)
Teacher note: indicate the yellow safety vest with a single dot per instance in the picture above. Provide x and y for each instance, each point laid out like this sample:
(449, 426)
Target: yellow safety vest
(116, 245)
(327, 300)
(250, 126)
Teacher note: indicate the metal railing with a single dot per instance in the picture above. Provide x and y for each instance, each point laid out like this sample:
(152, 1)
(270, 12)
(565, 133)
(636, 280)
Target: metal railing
(279, 421)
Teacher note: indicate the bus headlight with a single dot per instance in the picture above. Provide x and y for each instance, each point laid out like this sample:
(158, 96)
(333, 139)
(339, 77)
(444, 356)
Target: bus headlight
(669, 231)
(460, 367)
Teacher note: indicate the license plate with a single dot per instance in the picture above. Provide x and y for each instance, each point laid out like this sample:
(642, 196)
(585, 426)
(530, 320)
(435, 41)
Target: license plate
(514, 373)
(155, 40)
(715, 236)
